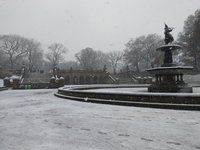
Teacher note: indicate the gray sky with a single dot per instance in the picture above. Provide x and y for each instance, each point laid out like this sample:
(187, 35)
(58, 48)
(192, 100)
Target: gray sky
(101, 24)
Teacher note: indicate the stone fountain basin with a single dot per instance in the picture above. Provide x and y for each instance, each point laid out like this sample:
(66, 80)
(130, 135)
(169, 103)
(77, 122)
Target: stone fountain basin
(131, 95)
(170, 70)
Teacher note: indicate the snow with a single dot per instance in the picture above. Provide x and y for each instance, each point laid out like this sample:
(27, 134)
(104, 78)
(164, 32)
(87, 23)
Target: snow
(14, 77)
(37, 120)
(142, 91)
(1, 82)
(194, 79)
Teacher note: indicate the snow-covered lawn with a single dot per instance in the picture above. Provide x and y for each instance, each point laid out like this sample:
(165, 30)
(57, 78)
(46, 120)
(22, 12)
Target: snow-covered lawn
(37, 120)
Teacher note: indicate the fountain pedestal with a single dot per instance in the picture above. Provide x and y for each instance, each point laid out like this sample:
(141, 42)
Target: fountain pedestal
(169, 77)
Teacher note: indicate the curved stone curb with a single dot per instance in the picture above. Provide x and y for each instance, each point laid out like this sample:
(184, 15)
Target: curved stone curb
(153, 100)
(130, 103)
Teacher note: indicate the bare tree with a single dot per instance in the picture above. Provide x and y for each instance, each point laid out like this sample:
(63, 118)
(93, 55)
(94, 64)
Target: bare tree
(87, 58)
(102, 60)
(151, 56)
(35, 54)
(56, 52)
(134, 52)
(68, 65)
(140, 53)
(3, 58)
(14, 47)
(114, 58)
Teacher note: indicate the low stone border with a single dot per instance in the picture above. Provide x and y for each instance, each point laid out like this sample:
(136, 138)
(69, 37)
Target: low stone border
(3, 88)
(156, 100)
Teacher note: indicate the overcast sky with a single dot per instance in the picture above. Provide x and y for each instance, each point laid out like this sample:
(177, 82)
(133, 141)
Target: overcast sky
(101, 24)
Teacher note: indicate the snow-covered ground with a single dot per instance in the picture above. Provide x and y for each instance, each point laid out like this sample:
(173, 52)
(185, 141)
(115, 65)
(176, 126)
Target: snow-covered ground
(1, 83)
(37, 120)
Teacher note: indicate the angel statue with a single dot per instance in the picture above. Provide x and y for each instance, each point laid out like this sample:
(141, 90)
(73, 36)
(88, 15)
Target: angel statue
(168, 37)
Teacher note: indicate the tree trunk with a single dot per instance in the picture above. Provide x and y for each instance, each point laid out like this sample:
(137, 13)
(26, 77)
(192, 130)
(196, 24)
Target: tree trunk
(195, 63)
(30, 61)
(114, 70)
(137, 67)
(11, 65)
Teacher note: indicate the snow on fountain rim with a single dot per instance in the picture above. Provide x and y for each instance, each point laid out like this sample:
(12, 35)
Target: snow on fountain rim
(112, 89)
(169, 47)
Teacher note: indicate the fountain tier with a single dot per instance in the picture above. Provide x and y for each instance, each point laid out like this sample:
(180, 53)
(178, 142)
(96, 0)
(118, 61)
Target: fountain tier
(169, 77)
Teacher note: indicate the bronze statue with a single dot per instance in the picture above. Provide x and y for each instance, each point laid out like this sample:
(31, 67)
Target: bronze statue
(168, 37)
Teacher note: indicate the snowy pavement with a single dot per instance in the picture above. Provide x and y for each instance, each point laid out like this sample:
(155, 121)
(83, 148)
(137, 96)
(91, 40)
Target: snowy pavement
(37, 120)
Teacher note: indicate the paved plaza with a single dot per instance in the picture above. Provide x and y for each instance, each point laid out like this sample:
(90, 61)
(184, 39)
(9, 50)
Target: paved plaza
(37, 120)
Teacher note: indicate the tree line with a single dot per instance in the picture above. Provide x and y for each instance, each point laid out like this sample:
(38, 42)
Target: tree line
(16, 51)
(139, 53)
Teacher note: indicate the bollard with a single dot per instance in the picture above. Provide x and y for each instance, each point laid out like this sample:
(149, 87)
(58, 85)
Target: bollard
(52, 82)
(15, 83)
(61, 82)
(56, 82)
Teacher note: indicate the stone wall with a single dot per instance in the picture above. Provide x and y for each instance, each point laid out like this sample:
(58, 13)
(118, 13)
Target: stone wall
(84, 77)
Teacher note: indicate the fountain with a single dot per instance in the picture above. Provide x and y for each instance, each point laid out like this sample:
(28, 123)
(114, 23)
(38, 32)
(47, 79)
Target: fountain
(169, 77)
(169, 90)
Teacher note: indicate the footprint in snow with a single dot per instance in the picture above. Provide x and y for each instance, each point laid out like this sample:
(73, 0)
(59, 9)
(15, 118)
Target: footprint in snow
(197, 147)
(148, 140)
(125, 135)
(69, 127)
(58, 123)
(85, 129)
(175, 143)
(2, 117)
(100, 132)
